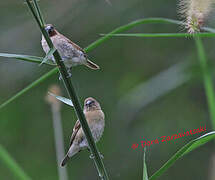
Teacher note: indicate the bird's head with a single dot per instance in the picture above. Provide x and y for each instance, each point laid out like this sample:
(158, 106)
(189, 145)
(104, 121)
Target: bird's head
(91, 104)
(50, 30)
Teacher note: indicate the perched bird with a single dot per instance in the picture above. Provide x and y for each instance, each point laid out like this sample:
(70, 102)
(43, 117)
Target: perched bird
(71, 53)
(95, 119)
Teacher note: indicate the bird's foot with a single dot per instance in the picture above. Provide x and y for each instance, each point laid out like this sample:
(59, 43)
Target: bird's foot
(60, 77)
(101, 156)
(69, 74)
(92, 156)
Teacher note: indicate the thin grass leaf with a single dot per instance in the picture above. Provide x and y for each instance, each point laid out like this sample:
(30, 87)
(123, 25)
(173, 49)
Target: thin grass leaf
(208, 82)
(130, 26)
(49, 54)
(62, 99)
(34, 84)
(152, 35)
(27, 58)
(145, 174)
(137, 23)
(9, 162)
(183, 151)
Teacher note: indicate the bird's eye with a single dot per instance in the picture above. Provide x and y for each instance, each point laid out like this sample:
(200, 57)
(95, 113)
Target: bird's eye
(90, 102)
(49, 29)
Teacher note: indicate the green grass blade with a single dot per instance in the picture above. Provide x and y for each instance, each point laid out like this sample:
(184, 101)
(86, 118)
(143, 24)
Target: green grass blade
(152, 35)
(130, 26)
(27, 58)
(136, 23)
(35, 83)
(62, 99)
(183, 151)
(12, 164)
(145, 174)
(208, 82)
(49, 54)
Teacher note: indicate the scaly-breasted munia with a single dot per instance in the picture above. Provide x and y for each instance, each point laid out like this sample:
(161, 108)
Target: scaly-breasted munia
(71, 53)
(95, 119)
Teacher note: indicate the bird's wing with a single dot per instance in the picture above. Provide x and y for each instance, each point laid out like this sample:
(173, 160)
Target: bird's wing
(75, 130)
(75, 45)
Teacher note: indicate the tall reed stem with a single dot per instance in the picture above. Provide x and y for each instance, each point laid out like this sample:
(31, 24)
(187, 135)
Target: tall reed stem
(208, 83)
(58, 130)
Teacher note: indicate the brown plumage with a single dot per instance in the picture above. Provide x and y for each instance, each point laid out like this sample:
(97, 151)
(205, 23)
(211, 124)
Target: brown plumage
(95, 119)
(71, 53)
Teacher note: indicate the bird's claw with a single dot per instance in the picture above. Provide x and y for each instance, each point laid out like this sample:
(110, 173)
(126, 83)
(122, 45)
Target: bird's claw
(69, 75)
(101, 156)
(60, 77)
(92, 156)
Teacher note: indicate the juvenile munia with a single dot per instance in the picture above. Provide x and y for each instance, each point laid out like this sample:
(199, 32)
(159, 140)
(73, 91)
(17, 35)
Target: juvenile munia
(71, 53)
(95, 119)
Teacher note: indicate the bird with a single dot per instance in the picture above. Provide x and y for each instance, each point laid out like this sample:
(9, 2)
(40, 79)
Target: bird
(95, 119)
(71, 53)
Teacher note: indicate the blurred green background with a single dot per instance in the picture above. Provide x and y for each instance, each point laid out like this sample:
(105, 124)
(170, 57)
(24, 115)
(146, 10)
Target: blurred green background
(147, 87)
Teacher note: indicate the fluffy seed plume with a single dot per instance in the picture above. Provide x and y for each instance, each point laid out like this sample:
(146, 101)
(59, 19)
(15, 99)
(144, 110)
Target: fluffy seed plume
(195, 12)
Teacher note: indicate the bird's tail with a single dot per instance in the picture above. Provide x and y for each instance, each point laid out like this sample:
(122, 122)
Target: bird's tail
(91, 65)
(65, 160)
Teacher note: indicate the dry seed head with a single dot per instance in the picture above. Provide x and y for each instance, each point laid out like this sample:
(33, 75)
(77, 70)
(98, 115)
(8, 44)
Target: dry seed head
(195, 12)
